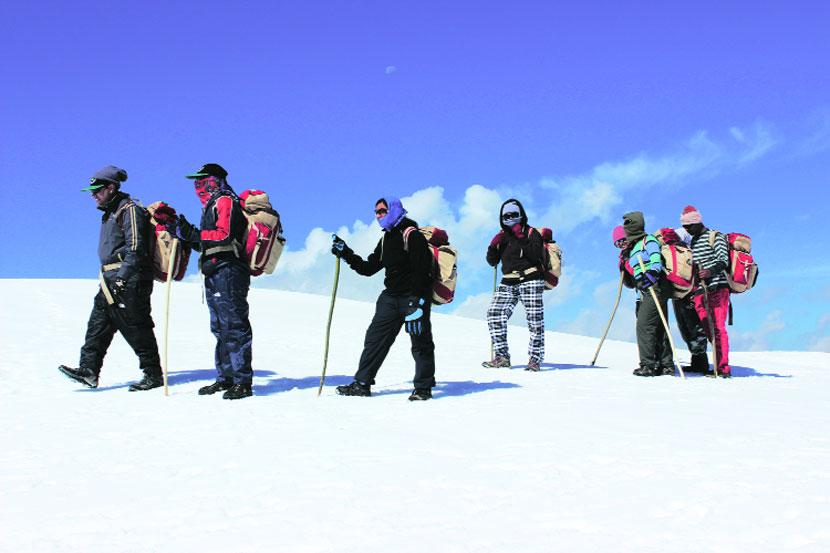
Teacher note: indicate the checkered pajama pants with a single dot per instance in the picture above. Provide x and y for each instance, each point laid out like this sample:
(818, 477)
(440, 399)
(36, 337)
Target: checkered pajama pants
(507, 295)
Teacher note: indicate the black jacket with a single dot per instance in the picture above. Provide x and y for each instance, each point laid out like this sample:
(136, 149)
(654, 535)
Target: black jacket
(221, 234)
(518, 254)
(408, 273)
(125, 238)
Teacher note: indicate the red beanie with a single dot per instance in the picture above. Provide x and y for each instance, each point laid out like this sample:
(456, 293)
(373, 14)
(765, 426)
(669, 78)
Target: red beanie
(690, 216)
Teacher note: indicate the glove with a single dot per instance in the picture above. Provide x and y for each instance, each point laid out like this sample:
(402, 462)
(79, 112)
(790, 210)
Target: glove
(498, 239)
(414, 316)
(339, 247)
(704, 274)
(117, 292)
(186, 231)
(649, 279)
(166, 216)
(517, 231)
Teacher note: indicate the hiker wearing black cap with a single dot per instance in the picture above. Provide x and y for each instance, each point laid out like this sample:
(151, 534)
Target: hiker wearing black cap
(227, 279)
(405, 301)
(122, 303)
(522, 256)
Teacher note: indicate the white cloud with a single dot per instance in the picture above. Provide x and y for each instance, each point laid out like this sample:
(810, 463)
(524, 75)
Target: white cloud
(757, 341)
(820, 339)
(390, 69)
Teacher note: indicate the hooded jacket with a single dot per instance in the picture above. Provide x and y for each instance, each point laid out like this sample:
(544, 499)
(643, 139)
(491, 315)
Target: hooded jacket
(643, 246)
(408, 270)
(518, 255)
(124, 239)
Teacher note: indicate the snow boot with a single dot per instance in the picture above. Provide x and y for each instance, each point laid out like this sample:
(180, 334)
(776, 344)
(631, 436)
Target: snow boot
(498, 362)
(218, 386)
(646, 371)
(147, 383)
(667, 371)
(421, 394)
(700, 364)
(721, 374)
(85, 376)
(533, 366)
(355, 389)
(238, 391)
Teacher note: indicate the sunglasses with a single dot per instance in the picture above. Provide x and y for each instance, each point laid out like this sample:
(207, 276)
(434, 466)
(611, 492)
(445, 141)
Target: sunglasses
(381, 211)
(508, 216)
(621, 243)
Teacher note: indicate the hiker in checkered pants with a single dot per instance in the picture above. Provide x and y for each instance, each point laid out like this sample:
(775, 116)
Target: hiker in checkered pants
(521, 252)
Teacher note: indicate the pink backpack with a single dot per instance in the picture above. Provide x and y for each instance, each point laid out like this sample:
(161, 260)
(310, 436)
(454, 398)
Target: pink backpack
(742, 271)
(263, 241)
(677, 262)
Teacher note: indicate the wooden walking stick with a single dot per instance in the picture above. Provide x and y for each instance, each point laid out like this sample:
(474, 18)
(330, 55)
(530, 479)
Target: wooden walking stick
(619, 293)
(711, 327)
(170, 265)
(328, 326)
(495, 279)
(662, 318)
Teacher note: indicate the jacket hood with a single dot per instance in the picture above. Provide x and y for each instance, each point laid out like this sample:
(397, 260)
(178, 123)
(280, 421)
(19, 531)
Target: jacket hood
(634, 225)
(521, 212)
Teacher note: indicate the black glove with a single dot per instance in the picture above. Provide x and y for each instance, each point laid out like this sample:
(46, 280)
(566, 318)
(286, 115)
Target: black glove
(648, 279)
(185, 230)
(117, 292)
(339, 247)
(414, 316)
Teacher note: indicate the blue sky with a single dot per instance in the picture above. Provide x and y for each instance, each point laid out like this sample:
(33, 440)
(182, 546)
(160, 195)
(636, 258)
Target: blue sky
(584, 111)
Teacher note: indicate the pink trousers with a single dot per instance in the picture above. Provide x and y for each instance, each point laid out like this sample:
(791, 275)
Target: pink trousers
(719, 306)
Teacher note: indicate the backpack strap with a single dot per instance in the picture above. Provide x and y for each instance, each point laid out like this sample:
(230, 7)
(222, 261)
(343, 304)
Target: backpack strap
(406, 233)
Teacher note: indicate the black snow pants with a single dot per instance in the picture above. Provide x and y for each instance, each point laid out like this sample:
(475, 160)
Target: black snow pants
(133, 321)
(227, 299)
(688, 322)
(652, 340)
(390, 312)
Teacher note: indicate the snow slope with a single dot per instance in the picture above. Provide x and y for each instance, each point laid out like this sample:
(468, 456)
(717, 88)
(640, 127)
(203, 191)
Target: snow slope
(571, 459)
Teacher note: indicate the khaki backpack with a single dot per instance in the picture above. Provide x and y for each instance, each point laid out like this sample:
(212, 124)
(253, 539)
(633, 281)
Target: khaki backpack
(444, 266)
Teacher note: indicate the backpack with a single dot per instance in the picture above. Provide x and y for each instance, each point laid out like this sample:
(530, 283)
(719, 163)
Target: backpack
(444, 267)
(162, 246)
(263, 242)
(742, 271)
(553, 258)
(678, 263)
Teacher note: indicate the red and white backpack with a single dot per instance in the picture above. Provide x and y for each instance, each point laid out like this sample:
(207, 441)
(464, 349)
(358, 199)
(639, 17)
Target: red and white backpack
(444, 267)
(742, 271)
(553, 258)
(263, 242)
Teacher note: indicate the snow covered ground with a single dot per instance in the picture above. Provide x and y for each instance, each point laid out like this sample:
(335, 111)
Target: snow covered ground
(572, 459)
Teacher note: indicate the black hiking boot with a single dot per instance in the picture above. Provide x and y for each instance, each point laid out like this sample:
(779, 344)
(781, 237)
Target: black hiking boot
(711, 374)
(421, 394)
(238, 391)
(218, 386)
(667, 371)
(147, 383)
(85, 376)
(699, 365)
(646, 371)
(355, 389)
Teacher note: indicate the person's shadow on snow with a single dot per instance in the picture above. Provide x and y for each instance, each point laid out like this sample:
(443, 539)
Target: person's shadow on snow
(565, 367)
(743, 372)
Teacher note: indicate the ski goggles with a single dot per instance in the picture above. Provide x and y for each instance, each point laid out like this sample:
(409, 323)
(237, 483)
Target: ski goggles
(382, 211)
(509, 216)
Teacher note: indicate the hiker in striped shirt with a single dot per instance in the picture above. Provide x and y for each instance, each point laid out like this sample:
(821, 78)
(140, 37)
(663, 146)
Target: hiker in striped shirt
(711, 258)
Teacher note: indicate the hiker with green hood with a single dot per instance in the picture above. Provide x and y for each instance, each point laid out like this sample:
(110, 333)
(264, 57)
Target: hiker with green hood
(652, 340)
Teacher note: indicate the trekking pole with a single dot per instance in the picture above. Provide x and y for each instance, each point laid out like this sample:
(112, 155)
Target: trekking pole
(711, 327)
(619, 294)
(167, 309)
(495, 279)
(665, 323)
(328, 326)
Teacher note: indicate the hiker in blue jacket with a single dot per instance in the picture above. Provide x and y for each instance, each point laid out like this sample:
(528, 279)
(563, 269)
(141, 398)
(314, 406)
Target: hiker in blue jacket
(122, 303)
(405, 301)
(652, 341)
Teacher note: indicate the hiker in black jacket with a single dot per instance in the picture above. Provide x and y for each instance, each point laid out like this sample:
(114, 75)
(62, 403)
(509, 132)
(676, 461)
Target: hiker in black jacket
(405, 301)
(522, 256)
(122, 303)
(219, 238)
